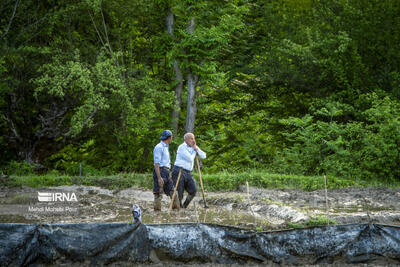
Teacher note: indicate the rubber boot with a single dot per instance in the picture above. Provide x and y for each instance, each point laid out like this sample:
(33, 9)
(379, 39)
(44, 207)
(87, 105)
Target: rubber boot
(157, 202)
(176, 204)
(187, 200)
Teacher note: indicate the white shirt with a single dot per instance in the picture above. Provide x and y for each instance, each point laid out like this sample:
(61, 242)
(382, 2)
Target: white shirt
(185, 156)
(161, 155)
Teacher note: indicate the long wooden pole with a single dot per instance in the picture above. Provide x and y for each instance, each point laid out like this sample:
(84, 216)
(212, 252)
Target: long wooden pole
(251, 208)
(176, 186)
(326, 199)
(201, 183)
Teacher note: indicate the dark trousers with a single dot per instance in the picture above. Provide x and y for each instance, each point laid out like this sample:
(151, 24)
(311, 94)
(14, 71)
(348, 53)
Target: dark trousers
(186, 182)
(168, 187)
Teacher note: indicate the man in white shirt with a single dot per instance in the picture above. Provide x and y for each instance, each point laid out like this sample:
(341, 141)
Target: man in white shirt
(185, 160)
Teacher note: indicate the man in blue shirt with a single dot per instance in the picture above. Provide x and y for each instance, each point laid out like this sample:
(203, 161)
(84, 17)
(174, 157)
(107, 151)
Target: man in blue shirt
(185, 160)
(162, 164)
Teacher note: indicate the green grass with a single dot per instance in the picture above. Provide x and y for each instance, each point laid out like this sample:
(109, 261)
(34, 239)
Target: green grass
(225, 181)
(122, 180)
(317, 221)
(222, 181)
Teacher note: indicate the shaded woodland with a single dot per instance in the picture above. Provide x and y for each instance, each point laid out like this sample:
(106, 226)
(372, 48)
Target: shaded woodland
(302, 87)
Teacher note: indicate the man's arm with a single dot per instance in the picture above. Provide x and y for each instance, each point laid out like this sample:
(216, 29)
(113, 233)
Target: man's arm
(158, 173)
(157, 159)
(201, 153)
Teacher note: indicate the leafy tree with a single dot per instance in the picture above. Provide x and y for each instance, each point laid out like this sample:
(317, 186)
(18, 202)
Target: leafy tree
(296, 86)
(204, 29)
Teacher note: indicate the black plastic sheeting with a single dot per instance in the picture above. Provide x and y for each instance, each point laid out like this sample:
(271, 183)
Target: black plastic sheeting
(356, 243)
(89, 244)
(105, 243)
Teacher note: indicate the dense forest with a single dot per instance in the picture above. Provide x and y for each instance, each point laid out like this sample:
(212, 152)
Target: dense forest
(292, 86)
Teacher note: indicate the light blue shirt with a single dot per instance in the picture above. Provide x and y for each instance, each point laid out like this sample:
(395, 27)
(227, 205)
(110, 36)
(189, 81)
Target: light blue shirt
(185, 156)
(161, 155)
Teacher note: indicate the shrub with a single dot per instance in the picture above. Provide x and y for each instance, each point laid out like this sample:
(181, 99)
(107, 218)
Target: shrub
(19, 168)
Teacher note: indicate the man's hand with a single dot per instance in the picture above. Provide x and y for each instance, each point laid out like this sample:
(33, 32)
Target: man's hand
(194, 146)
(160, 180)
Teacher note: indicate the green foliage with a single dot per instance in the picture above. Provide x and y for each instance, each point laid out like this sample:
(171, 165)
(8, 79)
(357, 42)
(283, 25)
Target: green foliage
(323, 143)
(381, 146)
(19, 168)
(73, 160)
(310, 81)
(313, 222)
(105, 96)
(299, 87)
(91, 86)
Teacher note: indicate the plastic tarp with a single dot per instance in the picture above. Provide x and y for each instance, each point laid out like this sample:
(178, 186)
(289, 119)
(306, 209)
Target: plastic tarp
(104, 243)
(355, 243)
(89, 244)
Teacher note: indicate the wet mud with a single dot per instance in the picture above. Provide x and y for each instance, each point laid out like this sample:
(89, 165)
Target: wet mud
(261, 209)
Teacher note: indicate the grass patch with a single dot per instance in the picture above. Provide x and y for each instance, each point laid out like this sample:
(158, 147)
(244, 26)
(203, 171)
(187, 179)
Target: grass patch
(317, 221)
(225, 181)
(120, 181)
(222, 181)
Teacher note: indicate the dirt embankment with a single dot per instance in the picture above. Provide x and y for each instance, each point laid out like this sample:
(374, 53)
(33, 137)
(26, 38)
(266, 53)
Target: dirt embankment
(262, 209)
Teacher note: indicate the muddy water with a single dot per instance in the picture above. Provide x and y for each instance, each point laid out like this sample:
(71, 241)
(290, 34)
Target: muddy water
(210, 215)
(262, 209)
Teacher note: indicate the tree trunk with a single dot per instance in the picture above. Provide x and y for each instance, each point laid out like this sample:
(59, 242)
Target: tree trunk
(192, 80)
(178, 97)
(178, 78)
(25, 147)
(191, 102)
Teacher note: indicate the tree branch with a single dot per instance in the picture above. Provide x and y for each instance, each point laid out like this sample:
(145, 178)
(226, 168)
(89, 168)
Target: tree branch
(4, 5)
(89, 117)
(11, 19)
(97, 30)
(11, 126)
(29, 26)
(105, 30)
(51, 122)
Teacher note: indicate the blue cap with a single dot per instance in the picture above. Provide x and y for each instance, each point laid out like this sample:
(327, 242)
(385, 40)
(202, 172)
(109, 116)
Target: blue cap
(165, 134)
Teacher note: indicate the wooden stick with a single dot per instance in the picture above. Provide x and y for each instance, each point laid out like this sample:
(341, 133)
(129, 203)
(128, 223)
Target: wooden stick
(326, 199)
(201, 182)
(176, 186)
(195, 209)
(251, 208)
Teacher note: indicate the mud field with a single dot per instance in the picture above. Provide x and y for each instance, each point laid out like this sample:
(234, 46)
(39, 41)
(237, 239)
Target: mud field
(262, 209)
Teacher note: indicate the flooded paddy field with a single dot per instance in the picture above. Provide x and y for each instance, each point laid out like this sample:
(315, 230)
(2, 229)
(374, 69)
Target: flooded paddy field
(261, 209)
